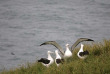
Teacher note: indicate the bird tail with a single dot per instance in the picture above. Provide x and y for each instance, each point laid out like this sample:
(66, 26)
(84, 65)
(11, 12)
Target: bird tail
(39, 61)
(86, 52)
(62, 61)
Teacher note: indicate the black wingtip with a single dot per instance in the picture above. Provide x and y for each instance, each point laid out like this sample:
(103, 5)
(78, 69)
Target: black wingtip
(90, 40)
(42, 44)
(87, 39)
(48, 42)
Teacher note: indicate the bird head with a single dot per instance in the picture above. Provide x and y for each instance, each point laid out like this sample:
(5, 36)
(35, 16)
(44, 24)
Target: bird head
(67, 45)
(50, 52)
(82, 45)
(56, 51)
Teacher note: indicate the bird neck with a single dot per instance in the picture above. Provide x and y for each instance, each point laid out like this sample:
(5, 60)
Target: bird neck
(81, 49)
(57, 55)
(49, 56)
(67, 48)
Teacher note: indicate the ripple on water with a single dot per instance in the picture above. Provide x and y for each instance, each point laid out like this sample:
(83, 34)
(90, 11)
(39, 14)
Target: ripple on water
(2, 49)
(14, 58)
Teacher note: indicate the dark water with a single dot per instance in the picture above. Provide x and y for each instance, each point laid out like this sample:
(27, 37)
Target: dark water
(25, 24)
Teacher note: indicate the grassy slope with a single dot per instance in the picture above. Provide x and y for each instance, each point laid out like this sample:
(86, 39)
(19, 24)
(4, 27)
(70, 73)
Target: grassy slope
(98, 62)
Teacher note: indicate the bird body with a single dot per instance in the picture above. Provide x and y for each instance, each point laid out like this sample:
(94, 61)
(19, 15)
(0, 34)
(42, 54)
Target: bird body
(82, 54)
(67, 53)
(58, 58)
(47, 61)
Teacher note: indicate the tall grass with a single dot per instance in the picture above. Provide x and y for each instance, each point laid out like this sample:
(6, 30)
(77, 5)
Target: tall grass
(98, 62)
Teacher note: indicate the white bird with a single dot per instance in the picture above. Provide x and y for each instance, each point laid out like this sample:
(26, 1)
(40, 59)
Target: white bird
(67, 53)
(47, 61)
(58, 58)
(82, 54)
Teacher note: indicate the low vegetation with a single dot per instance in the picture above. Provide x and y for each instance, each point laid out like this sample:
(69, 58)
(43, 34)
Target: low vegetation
(98, 62)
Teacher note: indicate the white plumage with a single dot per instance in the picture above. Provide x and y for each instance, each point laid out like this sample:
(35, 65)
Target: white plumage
(67, 53)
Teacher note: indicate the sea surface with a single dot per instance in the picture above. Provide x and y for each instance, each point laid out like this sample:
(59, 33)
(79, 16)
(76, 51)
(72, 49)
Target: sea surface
(25, 24)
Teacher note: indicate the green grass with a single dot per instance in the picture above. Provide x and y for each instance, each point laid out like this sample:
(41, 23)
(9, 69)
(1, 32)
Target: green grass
(98, 62)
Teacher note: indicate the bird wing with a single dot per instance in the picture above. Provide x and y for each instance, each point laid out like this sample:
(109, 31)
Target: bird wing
(84, 53)
(59, 61)
(54, 44)
(78, 41)
(44, 60)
